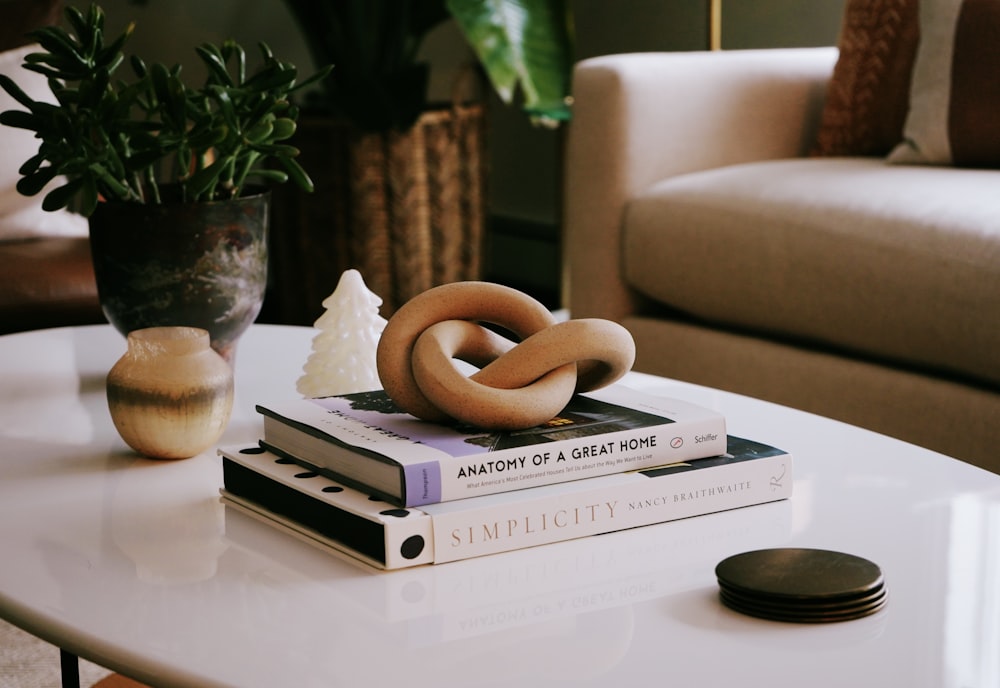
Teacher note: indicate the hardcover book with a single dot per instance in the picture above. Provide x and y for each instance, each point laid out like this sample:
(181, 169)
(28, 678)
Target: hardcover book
(365, 441)
(324, 512)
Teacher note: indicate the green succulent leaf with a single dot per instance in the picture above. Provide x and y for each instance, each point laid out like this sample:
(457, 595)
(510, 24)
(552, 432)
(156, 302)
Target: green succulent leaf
(169, 93)
(58, 44)
(15, 91)
(47, 71)
(112, 53)
(226, 107)
(68, 65)
(88, 196)
(95, 38)
(272, 79)
(298, 174)
(31, 165)
(206, 138)
(76, 19)
(21, 120)
(276, 176)
(33, 183)
(61, 196)
(263, 131)
(200, 182)
(265, 51)
(283, 128)
(138, 66)
(111, 183)
(231, 49)
(314, 79)
(216, 64)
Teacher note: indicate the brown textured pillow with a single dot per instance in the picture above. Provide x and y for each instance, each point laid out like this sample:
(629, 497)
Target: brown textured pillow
(954, 113)
(868, 94)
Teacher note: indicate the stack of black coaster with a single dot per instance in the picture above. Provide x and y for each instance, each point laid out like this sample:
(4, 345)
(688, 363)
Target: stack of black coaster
(801, 585)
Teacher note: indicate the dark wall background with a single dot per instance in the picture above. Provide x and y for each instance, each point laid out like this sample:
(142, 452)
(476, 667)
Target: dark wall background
(524, 192)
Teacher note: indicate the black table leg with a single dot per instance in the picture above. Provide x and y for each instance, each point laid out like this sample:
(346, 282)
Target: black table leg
(70, 666)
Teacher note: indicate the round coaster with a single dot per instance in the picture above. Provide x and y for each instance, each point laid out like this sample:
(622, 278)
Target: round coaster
(804, 585)
(804, 606)
(796, 573)
(804, 613)
(791, 616)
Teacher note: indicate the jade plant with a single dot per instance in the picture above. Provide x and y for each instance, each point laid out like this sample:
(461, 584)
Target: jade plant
(129, 138)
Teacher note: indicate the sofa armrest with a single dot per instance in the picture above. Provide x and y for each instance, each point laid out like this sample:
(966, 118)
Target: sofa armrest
(639, 118)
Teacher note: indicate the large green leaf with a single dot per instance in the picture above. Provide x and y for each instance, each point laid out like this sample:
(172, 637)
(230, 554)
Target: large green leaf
(524, 44)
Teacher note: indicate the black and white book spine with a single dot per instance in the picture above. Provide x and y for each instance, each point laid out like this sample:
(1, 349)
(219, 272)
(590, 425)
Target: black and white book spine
(316, 507)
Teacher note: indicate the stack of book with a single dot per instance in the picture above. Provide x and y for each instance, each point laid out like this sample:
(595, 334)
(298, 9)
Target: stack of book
(354, 474)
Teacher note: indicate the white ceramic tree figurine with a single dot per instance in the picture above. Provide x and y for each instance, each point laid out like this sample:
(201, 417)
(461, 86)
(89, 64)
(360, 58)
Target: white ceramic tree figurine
(343, 352)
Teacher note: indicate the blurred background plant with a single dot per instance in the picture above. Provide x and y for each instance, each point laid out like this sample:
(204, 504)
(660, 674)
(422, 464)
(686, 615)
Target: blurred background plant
(524, 47)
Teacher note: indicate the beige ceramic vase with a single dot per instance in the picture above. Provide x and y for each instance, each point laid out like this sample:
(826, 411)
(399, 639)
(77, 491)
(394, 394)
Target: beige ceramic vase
(171, 394)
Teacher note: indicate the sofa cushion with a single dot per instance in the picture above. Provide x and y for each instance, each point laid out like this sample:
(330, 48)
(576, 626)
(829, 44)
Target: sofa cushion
(955, 92)
(867, 97)
(896, 262)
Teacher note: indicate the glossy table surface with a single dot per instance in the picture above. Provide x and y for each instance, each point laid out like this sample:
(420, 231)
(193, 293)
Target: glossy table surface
(134, 563)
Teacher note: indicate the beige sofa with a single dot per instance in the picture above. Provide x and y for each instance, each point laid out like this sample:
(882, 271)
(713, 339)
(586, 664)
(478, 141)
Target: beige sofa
(848, 287)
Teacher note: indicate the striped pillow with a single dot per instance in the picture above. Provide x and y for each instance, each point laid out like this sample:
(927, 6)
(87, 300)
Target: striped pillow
(954, 116)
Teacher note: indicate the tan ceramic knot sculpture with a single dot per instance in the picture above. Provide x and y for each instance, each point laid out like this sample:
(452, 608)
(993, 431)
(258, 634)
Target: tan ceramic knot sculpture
(519, 385)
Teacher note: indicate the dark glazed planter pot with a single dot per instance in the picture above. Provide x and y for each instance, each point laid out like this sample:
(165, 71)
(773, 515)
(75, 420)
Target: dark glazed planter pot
(183, 264)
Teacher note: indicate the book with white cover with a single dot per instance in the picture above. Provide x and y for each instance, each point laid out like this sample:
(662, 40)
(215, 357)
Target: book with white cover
(320, 510)
(365, 441)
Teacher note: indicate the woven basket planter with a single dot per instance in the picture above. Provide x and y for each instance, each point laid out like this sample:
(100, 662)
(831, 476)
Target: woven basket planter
(406, 209)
